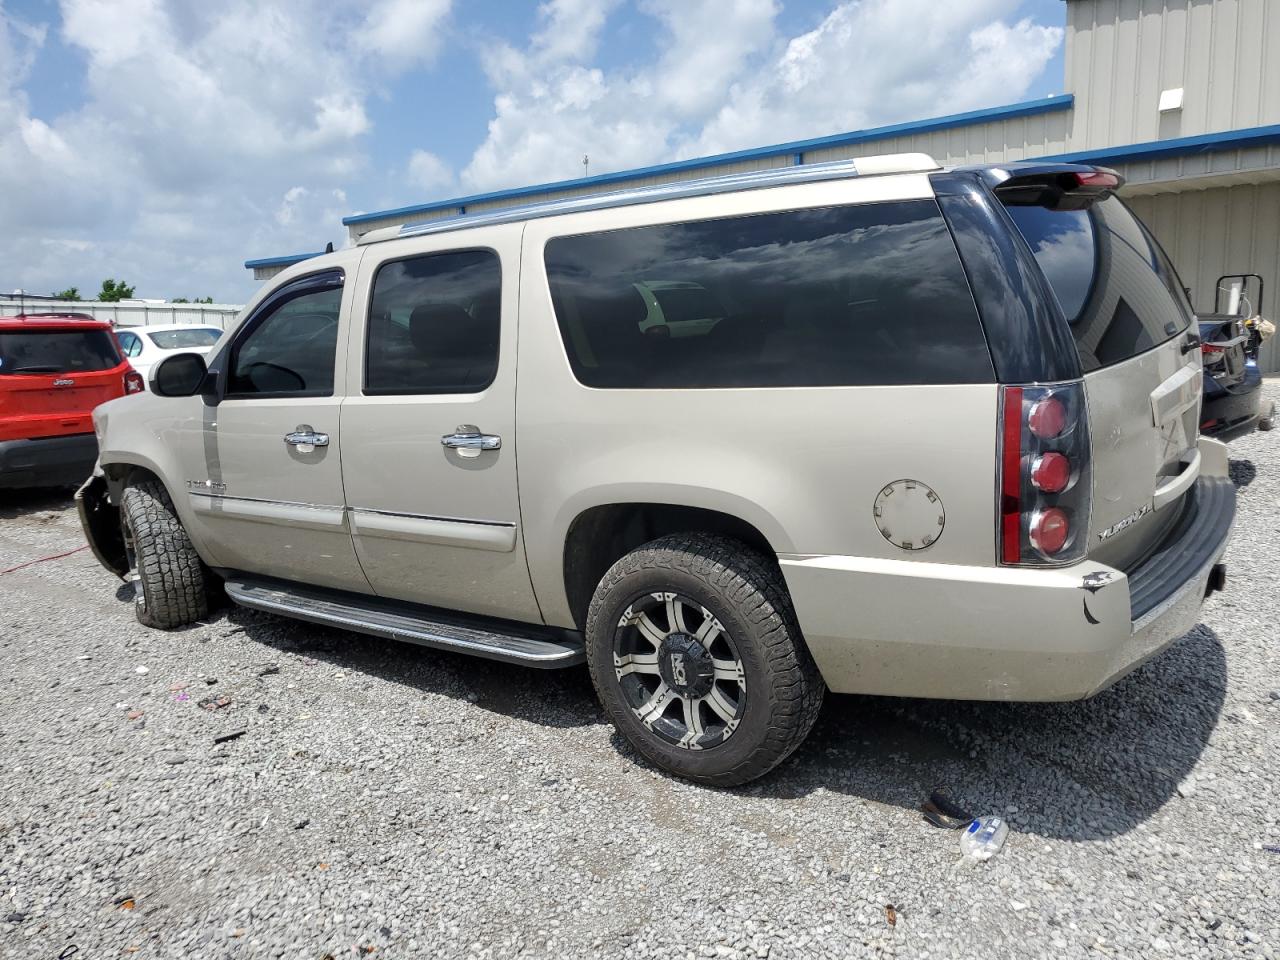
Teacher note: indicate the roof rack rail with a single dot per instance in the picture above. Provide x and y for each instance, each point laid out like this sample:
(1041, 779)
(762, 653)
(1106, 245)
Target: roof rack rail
(705, 186)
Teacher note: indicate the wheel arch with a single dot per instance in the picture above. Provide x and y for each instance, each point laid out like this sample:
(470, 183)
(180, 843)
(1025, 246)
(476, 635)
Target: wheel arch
(120, 471)
(601, 534)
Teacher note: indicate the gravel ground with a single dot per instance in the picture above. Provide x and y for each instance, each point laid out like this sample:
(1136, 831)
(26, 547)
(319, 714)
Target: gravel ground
(390, 801)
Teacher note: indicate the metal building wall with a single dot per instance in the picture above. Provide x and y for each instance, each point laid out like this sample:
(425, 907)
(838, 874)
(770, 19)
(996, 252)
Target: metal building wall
(357, 230)
(1014, 139)
(127, 314)
(1216, 168)
(1209, 233)
(1122, 53)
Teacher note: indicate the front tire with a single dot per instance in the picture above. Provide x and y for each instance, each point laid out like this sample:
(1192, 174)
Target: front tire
(696, 655)
(167, 573)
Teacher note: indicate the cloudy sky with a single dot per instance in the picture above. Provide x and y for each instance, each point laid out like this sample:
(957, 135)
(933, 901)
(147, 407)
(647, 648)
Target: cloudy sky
(166, 141)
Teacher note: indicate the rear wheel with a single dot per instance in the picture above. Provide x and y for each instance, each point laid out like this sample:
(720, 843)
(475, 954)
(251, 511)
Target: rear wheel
(169, 579)
(695, 653)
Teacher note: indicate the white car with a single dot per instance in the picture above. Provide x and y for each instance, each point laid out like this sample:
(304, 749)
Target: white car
(147, 346)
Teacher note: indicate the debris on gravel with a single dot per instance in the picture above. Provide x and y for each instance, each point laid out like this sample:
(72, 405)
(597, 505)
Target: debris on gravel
(395, 802)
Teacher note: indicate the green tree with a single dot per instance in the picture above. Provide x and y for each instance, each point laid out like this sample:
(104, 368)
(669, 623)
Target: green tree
(71, 293)
(114, 291)
(196, 300)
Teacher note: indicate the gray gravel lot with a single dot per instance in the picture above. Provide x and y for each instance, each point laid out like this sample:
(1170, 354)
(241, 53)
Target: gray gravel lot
(396, 802)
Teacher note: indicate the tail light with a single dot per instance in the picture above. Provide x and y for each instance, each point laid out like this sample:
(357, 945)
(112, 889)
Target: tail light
(1097, 180)
(1046, 483)
(133, 383)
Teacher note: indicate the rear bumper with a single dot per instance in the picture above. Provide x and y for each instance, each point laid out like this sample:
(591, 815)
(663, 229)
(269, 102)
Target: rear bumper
(904, 628)
(1235, 410)
(47, 462)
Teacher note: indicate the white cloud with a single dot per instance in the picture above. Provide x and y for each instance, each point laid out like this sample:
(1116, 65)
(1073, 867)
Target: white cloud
(428, 173)
(709, 46)
(401, 32)
(209, 133)
(212, 132)
(725, 78)
(880, 61)
(571, 28)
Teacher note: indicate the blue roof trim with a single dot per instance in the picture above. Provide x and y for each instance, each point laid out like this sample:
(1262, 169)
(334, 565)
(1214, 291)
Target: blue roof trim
(1178, 147)
(1007, 112)
(280, 261)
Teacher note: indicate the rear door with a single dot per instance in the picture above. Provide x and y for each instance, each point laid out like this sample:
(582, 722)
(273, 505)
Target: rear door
(1142, 370)
(51, 378)
(429, 455)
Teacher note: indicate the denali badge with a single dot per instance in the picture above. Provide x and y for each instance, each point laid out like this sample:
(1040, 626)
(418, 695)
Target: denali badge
(1132, 518)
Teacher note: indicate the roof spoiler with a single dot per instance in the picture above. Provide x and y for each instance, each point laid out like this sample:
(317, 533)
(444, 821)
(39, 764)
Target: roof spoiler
(1056, 186)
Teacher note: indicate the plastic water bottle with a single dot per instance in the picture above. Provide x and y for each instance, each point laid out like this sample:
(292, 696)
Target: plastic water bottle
(983, 838)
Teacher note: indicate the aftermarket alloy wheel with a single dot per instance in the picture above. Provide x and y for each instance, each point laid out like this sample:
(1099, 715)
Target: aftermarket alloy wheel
(167, 574)
(696, 655)
(679, 671)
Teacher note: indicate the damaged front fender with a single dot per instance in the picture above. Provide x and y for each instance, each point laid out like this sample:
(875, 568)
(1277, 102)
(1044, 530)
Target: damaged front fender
(101, 522)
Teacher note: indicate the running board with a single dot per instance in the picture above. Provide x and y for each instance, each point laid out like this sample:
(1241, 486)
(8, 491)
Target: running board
(493, 639)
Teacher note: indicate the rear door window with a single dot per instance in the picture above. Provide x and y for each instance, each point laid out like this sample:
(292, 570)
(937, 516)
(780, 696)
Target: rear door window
(57, 351)
(434, 324)
(868, 294)
(1117, 289)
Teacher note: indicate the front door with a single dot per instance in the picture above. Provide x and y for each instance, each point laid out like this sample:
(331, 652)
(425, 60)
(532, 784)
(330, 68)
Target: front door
(264, 473)
(428, 426)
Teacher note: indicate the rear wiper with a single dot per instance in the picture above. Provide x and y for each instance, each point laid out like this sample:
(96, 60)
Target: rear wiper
(47, 368)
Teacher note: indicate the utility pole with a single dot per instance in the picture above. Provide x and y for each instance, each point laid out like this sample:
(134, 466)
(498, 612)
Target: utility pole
(586, 160)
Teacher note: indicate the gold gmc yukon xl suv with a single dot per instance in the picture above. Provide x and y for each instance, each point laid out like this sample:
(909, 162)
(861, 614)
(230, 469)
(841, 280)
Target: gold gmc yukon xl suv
(920, 432)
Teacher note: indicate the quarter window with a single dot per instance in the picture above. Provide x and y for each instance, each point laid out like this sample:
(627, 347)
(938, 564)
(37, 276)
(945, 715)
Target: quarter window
(290, 350)
(434, 324)
(1116, 287)
(869, 294)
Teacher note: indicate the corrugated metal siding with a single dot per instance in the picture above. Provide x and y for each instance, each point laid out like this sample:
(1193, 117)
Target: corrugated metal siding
(1209, 233)
(1015, 139)
(1253, 163)
(1122, 53)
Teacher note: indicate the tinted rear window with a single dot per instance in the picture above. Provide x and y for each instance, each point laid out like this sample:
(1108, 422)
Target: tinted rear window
(57, 351)
(185, 339)
(1116, 287)
(869, 294)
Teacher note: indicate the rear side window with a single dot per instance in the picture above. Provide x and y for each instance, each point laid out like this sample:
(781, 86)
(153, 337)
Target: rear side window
(434, 323)
(57, 351)
(869, 294)
(185, 339)
(1115, 285)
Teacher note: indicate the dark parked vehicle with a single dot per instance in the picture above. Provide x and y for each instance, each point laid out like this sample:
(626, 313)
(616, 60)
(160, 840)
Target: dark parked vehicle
(54, 369)
(1233, 400)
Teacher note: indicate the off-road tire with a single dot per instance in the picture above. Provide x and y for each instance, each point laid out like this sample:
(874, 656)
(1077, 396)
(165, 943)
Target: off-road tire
(170, 573)
(745, 591)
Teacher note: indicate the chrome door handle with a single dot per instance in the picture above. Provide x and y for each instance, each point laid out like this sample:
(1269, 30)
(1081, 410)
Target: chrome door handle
(467, 437)
(304, 436)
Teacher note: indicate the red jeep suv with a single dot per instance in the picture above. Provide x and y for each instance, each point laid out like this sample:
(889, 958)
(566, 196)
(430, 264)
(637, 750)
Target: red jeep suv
(54, 369)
